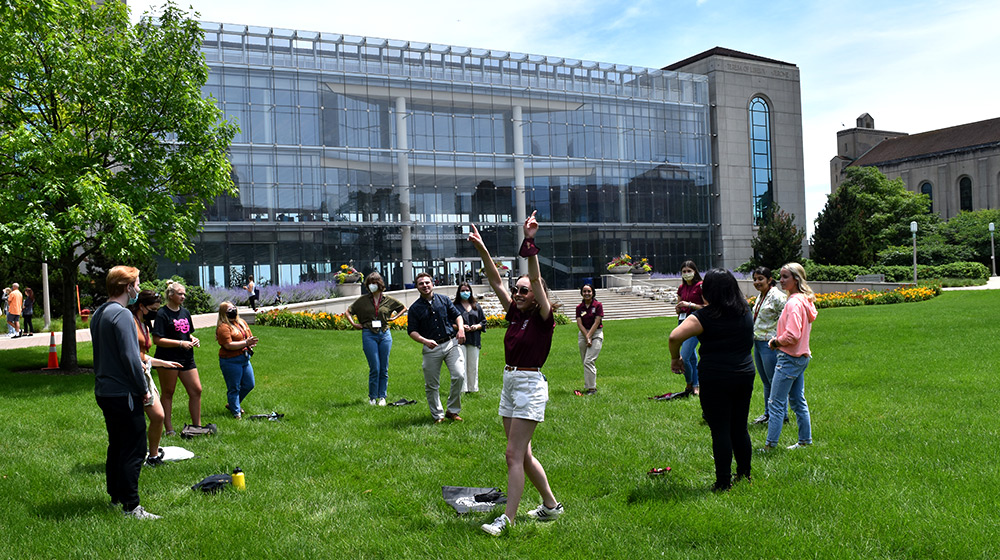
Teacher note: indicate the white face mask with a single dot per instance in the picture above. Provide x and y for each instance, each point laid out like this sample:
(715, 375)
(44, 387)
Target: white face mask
(373, 288)
(688, 276)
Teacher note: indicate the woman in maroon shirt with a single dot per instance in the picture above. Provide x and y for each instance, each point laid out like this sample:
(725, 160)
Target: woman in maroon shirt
(689, 300)
(589, 320)
(525, 389)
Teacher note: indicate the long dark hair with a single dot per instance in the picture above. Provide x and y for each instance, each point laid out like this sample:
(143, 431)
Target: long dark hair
(697, 275)
(458, 294)
(723, 294)
(147, 298)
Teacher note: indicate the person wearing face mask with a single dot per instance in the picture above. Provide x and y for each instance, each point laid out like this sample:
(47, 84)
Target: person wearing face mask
(236, 344)
(475, 323)
(143, 312)
(590, 339)
(525, 391)
(173, 335)
(375, 311)
(689, 300)
(121, 389)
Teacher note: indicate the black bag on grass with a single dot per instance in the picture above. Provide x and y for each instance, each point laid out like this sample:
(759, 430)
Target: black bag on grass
(214, 483)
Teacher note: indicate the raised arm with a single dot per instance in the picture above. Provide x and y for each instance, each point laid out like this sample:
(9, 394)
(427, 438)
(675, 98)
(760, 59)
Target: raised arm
(492, 274)
(530, 252)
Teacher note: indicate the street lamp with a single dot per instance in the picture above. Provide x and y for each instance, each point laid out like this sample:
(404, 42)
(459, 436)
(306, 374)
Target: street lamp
(913, 230)
(993, 252)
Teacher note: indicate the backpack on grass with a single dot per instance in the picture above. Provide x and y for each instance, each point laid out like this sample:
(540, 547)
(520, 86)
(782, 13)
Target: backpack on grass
(214, 483)
(190, 431)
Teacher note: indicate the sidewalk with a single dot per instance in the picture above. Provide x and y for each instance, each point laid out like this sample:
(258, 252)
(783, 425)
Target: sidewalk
(83, 335)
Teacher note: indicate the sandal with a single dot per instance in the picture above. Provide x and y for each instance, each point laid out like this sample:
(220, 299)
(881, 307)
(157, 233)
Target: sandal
(578, 393)
(657, 471)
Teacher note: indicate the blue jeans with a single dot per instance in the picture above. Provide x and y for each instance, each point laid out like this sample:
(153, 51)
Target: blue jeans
(788, 384)
(238, 373)
(764, 358)
(690, 358)
(377, 346)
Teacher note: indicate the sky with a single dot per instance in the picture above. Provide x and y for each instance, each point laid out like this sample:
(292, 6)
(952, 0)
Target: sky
(913, 66)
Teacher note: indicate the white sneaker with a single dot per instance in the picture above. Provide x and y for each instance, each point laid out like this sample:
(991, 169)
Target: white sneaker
(799, 445)
(499, 525)
(381, 402)
(542, 513)
(140, 513)
(372, 402)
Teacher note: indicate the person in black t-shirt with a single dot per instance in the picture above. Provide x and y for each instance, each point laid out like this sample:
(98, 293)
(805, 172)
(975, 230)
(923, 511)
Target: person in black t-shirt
(173, 334)
(724, 327)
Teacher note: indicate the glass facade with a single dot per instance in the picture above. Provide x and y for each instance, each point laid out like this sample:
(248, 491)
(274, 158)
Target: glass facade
(379, 153)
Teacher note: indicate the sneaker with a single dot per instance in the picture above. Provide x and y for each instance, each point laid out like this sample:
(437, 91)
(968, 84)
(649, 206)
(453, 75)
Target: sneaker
(452, 416)
(590, 391)
(719, 487)
(542, 513)
(762, 419)
(371, 402)
(799, 445)
(140, 513)
(155, 460)
(499, 525)
(768, 448)
(170, 433)
(381, 402)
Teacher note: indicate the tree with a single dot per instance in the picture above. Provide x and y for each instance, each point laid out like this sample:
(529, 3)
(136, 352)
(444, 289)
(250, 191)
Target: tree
(778, 240)
(865, 215)
(106, 144)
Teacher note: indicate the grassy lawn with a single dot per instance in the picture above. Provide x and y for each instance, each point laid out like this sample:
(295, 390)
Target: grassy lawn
(903, 401)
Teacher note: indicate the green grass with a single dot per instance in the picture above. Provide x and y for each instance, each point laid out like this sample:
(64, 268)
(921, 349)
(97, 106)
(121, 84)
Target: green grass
(903, 401)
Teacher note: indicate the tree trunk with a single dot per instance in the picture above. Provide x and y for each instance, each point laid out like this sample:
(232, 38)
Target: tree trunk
(68, 361)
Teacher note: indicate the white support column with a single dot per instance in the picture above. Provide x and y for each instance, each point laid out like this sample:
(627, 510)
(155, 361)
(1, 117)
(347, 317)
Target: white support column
(520, 209)
(403, 189)
(622, 186)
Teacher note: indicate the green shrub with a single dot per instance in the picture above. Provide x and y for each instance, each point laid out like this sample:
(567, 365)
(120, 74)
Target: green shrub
(197, 300)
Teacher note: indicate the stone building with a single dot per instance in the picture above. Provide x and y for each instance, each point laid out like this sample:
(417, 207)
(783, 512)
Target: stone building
(957, 167)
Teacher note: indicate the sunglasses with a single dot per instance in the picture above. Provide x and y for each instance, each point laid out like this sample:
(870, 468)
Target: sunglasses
(522, 290)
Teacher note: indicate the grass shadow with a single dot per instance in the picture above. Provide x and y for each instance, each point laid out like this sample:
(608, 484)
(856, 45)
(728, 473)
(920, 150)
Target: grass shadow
(71, 508)
(664, 491)
(93, 468)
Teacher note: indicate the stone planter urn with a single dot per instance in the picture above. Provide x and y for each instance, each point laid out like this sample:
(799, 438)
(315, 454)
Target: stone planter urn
(621, 269)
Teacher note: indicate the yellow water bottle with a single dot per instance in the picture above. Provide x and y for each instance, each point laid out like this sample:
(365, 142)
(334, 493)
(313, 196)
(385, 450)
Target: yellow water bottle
(239, 482)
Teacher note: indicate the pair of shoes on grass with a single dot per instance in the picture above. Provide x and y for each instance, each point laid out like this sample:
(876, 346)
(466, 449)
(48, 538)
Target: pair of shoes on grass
(140, 513)
(540, 513)
(155, 460)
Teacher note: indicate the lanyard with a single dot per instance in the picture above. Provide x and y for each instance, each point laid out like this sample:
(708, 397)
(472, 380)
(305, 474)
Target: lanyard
(760, 303)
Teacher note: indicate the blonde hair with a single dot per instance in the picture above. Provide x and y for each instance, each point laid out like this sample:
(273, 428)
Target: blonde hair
(223, 319)
(120, 278)
(172, 287)
(799, 274)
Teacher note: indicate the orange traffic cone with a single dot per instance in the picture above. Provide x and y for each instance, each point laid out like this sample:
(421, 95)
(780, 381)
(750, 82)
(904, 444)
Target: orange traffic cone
(53, 357)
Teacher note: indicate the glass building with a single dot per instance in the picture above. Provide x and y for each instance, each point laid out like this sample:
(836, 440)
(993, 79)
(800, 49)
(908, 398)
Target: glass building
(379, 153)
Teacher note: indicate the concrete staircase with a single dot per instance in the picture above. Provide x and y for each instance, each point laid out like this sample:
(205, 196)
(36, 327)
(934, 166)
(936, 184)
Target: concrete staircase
(617, 305)
(624, 305)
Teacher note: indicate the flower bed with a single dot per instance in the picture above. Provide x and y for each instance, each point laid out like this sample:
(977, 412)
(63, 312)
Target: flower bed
(904, 294)
(290, 293)
(339, 322)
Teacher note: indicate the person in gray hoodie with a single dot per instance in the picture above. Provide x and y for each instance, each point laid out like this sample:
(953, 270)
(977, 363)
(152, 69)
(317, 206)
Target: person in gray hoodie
(121, 390)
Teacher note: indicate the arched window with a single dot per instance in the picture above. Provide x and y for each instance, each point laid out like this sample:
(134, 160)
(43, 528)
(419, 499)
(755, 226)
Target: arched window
(928, 189)
(965, 194)
(760, 157)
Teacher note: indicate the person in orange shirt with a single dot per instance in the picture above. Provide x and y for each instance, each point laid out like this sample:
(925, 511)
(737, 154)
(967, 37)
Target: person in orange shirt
(15, 301)
(236, 344)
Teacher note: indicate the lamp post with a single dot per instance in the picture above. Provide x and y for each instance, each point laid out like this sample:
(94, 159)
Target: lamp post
(993, 252)
(913, 230)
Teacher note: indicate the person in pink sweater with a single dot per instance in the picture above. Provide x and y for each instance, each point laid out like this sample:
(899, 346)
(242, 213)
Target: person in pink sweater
(792, 344)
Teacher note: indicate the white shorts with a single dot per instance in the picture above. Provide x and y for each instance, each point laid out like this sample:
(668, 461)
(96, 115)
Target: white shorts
(524, 394)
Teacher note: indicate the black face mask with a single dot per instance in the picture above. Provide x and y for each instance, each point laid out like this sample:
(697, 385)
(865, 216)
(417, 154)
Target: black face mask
(232, 313)
(149, 316)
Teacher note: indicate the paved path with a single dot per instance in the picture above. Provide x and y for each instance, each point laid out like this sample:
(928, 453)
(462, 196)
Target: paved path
(992, 284)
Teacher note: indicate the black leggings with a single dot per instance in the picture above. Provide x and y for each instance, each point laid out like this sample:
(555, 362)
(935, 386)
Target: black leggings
(725, 404)
(27, 327)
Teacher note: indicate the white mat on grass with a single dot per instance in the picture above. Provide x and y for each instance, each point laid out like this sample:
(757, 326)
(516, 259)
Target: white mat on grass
(174, 453)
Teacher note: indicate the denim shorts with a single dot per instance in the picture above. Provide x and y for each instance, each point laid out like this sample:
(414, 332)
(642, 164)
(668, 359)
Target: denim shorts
(524, 394)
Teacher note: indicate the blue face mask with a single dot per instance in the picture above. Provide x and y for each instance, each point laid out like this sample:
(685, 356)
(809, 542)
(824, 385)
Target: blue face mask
(133, 298)
(465, 295)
